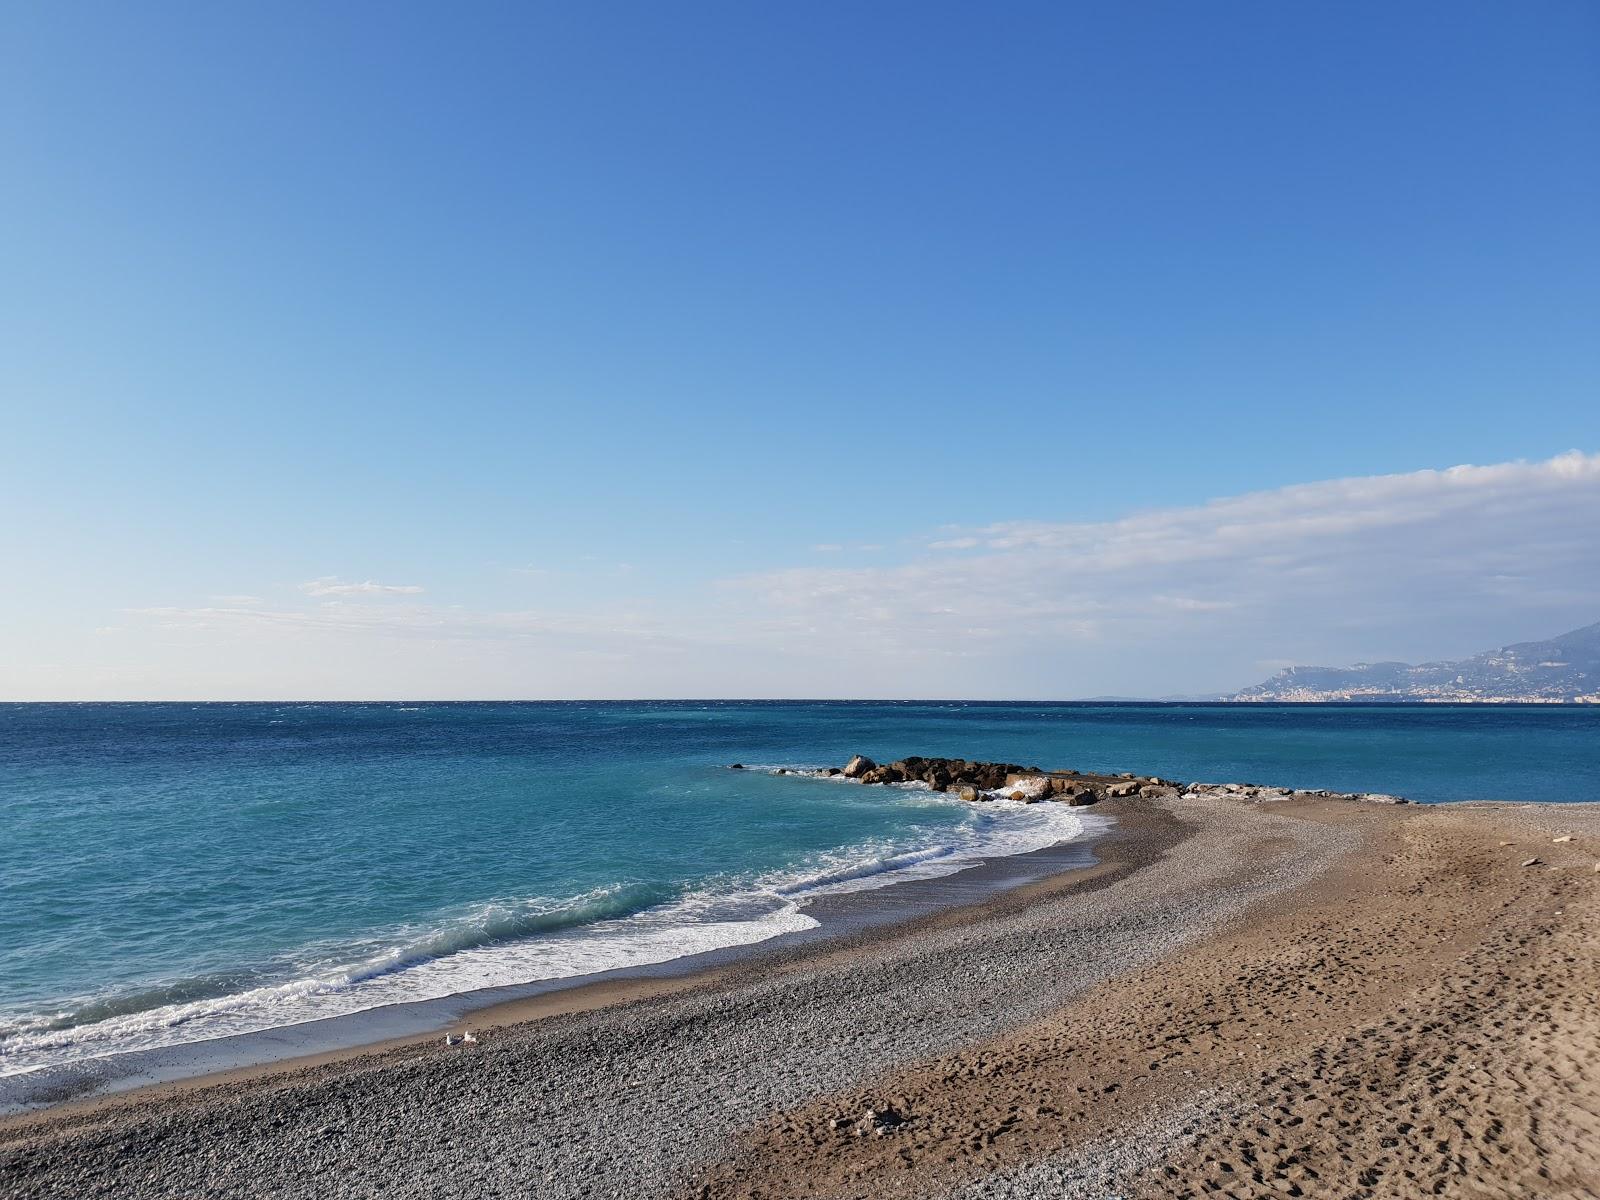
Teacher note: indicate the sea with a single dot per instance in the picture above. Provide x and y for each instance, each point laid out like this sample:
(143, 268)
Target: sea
(174, 873)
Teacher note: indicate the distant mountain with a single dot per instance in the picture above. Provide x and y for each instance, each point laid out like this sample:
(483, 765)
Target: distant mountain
(1565, 669)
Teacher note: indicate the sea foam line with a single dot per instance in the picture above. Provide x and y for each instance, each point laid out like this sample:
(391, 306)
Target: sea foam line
(453, 961)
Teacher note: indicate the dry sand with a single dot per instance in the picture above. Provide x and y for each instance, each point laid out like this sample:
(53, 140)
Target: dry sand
(1424, 1019)
(1319, 999)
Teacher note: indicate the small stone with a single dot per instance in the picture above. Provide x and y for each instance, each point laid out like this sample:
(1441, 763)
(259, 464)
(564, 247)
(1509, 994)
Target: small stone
(1534, 862)
(879, 1121)
(1559, 840)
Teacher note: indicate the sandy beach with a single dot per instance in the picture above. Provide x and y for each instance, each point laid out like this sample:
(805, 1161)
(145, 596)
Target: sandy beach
(1298, 998)
(735, 601)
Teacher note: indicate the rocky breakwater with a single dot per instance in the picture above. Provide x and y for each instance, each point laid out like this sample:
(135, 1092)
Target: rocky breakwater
(980, 781)
(1260, 794)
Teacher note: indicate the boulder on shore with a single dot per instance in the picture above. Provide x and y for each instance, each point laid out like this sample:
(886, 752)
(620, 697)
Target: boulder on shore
(859, 766)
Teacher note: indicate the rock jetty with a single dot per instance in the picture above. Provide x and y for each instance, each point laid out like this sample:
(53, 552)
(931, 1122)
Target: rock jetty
(975, 780)
(978, 781)
(1264, 795)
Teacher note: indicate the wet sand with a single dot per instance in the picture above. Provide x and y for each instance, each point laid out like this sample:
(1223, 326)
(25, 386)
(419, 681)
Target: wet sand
(1279, 999)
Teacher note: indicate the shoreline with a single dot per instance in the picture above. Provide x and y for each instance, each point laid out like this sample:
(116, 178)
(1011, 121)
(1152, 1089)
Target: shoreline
(843, 918)
(1331, 972)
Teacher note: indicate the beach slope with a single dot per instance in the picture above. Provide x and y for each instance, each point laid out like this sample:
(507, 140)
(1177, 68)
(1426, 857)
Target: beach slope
(1302, 998)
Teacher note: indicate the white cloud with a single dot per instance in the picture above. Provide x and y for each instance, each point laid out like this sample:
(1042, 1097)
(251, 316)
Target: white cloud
(329, 585)
(1190, 599)
(1293, 516)
(1415, 565)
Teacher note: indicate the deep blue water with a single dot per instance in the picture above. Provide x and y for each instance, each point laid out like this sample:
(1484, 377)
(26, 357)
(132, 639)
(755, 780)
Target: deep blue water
(170, 872)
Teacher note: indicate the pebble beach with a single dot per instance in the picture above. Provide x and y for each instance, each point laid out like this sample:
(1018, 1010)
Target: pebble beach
(1231, 964)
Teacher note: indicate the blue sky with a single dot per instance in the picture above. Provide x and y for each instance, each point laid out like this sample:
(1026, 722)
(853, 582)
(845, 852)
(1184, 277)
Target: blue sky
(594, 323)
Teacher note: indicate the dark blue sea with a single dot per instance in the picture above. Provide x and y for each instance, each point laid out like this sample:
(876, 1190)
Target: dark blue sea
(178, 872)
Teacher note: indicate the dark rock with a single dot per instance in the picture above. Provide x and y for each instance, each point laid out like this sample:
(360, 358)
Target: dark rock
(737, 767)
(990, 776)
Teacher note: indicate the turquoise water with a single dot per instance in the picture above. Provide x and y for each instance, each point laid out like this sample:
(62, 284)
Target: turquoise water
(173, 872)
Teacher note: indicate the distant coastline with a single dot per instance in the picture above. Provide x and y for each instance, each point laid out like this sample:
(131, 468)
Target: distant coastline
(1562, 670)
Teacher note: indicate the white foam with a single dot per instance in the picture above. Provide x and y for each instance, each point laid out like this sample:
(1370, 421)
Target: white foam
(997, 829)
(465, 958)
(605, 946)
